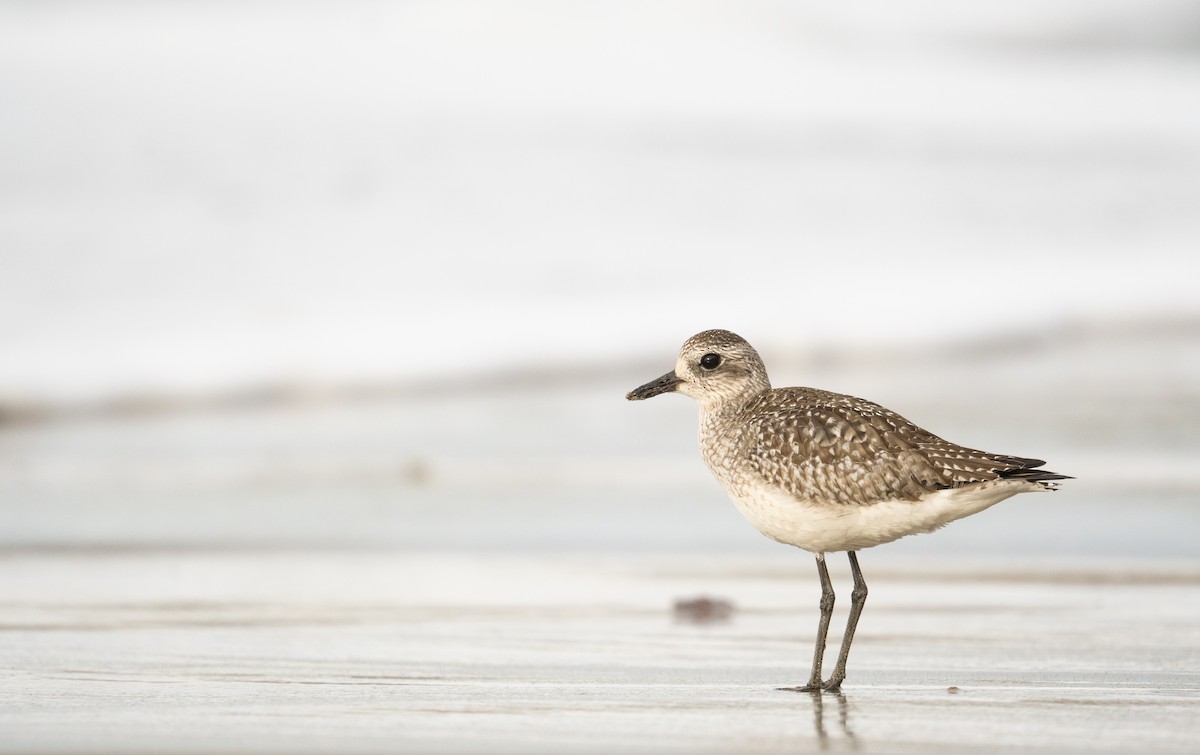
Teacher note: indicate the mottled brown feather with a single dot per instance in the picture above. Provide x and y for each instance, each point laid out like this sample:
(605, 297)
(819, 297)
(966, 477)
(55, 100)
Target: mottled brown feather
(834, 448)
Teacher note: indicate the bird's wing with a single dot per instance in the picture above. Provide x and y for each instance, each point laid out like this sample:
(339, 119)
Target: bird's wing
(841, 449)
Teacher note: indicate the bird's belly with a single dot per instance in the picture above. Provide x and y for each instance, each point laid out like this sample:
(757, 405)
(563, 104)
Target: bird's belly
(820, 526)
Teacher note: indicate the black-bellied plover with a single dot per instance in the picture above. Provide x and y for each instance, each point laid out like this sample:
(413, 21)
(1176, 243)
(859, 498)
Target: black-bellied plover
(828, 472)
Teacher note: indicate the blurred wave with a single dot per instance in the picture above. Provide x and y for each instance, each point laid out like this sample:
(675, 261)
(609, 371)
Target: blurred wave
(557, 458)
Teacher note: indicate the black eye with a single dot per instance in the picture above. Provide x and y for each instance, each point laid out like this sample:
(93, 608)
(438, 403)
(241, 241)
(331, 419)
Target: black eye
(710, 361)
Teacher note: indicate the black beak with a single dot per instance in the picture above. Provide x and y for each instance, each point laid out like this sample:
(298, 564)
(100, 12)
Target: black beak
(664, 384)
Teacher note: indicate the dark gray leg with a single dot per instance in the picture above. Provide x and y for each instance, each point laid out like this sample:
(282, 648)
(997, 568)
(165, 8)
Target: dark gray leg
(857, 599)
(827, 598)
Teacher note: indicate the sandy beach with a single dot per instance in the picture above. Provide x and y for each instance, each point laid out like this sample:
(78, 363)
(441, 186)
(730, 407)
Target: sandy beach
(271, 651)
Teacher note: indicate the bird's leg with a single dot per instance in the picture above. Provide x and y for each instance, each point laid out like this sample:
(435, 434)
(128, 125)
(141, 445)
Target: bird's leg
(827, 598)
(857, 599)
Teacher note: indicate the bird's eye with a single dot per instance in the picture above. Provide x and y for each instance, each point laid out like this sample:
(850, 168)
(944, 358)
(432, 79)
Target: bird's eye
(710, 361)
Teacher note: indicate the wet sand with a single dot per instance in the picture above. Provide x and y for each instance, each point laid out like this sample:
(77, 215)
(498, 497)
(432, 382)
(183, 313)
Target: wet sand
(270, 651)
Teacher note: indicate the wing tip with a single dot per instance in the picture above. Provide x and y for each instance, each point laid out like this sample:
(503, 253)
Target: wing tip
(1033, 475)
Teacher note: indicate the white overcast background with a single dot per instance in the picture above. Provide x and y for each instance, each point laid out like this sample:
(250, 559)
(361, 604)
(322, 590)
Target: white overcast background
(202, 195)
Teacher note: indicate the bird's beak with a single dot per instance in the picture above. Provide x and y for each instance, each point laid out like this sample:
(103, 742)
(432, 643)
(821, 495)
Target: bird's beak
(664, 384)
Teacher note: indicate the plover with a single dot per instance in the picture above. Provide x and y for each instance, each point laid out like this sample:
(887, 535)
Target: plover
(827, 472)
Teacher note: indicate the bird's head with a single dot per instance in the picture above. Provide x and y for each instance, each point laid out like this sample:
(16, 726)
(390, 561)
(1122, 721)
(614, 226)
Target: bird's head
(714, 367)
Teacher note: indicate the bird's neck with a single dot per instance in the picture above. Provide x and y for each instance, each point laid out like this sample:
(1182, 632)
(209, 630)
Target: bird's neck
(719, 414)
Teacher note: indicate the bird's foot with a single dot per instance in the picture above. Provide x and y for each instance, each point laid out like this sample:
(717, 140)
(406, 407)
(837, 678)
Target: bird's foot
(830, 686)
(810, 687)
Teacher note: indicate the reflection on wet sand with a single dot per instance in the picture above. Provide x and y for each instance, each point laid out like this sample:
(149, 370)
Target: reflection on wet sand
(843, 720)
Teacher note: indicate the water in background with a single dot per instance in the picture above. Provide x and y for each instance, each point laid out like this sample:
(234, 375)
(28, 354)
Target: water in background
(567, 464)
(378, 274)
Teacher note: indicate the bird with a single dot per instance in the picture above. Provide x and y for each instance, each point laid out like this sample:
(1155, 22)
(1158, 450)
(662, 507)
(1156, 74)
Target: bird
(828, 472)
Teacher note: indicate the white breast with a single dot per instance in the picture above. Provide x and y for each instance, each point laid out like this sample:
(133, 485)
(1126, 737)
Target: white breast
(820, 527)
